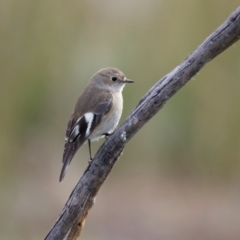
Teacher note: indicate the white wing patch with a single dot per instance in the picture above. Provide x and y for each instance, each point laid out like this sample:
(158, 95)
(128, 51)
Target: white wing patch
(89, 119)
(78, 120)
(74, 133)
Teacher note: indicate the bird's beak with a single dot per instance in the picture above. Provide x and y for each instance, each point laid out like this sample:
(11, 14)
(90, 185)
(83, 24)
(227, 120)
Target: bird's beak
(128, 80)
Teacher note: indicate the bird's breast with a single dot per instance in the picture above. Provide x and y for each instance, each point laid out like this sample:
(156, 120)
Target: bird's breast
(110, 121)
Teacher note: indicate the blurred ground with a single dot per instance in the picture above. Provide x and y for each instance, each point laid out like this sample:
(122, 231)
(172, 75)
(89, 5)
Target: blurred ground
(178, 178)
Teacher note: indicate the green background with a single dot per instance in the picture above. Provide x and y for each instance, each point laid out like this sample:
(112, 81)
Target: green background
(179, 176)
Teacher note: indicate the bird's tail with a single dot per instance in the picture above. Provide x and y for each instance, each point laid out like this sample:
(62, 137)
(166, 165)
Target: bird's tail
(67, 158)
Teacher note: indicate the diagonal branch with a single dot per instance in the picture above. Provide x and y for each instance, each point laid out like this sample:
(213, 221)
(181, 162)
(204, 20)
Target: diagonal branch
(71, 220)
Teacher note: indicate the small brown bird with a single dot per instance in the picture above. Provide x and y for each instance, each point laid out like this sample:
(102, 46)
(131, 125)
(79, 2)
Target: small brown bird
(96, 113)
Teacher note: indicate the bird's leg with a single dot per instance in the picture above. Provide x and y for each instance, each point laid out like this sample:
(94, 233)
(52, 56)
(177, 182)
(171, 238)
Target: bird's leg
(90, 152)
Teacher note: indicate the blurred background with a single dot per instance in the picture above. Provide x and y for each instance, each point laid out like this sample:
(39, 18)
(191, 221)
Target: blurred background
(179, 177)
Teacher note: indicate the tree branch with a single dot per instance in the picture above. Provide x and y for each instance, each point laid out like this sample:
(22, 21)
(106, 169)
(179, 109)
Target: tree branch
(71, 220)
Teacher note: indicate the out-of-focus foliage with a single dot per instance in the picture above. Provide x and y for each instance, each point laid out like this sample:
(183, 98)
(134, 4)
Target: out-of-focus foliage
(177, 178)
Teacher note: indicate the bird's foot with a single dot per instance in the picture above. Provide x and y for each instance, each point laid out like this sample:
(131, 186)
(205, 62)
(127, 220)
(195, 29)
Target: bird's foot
(107, 135)
(90, 161)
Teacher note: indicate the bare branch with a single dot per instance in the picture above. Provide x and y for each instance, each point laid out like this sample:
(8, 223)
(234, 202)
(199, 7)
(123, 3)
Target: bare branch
(73, 215)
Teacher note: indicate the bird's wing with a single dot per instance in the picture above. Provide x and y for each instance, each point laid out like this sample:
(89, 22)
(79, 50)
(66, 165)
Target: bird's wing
(80, 129)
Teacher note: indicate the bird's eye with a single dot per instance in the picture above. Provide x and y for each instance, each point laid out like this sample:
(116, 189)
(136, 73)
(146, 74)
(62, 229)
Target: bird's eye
(114, 79)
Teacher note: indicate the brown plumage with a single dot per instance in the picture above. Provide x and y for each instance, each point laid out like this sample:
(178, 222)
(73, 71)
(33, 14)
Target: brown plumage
(96, 114)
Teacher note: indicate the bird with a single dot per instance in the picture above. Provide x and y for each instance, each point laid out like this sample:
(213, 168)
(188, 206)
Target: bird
(96, 113)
